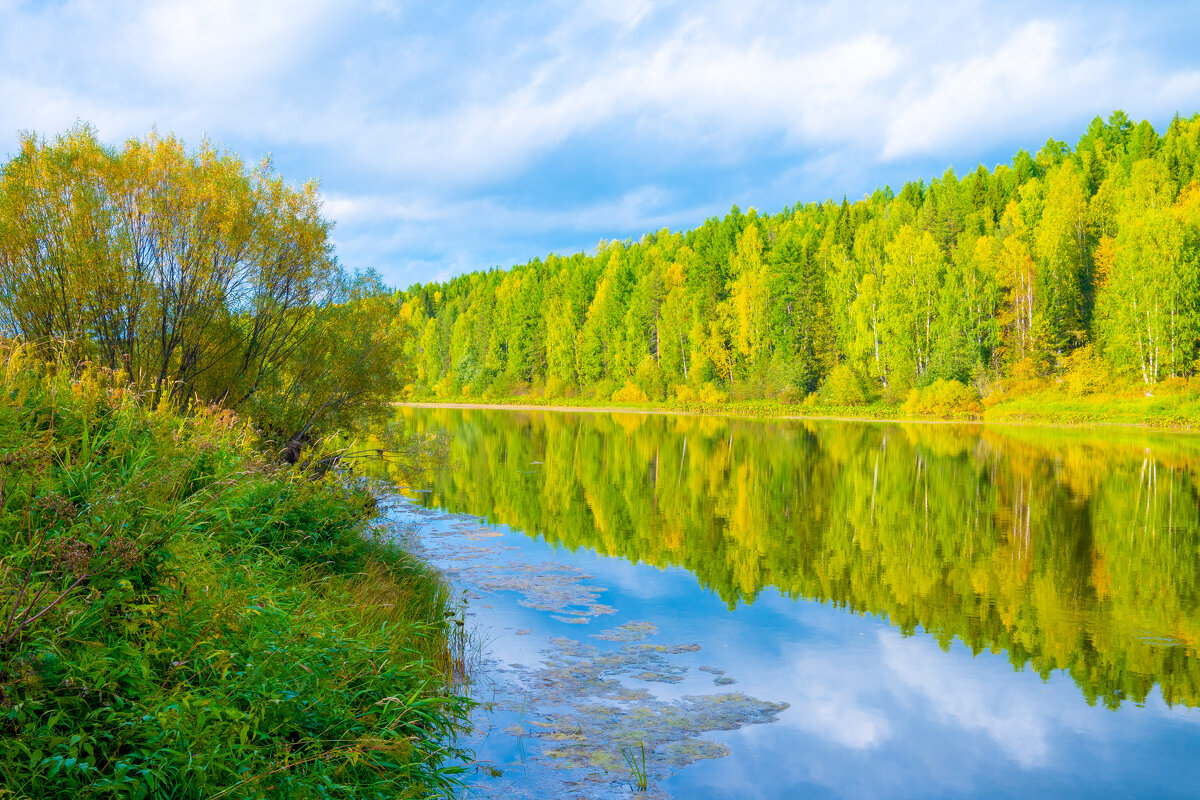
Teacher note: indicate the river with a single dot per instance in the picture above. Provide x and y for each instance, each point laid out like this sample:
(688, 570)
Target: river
(778, 609)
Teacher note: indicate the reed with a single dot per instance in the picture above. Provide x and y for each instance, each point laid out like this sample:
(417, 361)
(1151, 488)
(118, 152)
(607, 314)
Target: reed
(636, 761)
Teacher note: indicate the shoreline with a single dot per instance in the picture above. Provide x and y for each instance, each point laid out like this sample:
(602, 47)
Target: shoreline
(767, 414)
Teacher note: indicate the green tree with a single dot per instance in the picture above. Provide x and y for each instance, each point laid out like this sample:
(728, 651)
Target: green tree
(1149, 300)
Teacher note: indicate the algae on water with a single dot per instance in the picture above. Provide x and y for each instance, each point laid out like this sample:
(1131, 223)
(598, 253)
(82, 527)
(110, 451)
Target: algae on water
(585, 700)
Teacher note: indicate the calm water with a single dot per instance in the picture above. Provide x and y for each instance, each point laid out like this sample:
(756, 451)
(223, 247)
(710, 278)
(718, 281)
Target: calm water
(822, 609)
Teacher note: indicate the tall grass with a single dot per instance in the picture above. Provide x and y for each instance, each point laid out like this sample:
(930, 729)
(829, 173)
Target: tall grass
(180, 619)
(636, 761)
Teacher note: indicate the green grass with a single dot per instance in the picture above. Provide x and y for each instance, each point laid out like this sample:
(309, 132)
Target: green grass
(636, 761)
(1168, 411)
(750, 408)
(1164, 410)
(181, 619)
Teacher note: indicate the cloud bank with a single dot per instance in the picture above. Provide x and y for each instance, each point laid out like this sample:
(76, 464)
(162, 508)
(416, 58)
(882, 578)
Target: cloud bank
(451, 137)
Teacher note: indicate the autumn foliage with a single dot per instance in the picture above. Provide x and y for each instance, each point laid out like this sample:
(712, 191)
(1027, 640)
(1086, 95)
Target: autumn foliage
(201, 279)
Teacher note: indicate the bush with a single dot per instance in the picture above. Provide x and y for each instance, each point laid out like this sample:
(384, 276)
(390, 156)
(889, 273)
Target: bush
(445, 388)
(555, 388)
(789, 395)
(629, 393)
(499, 388)
(684, 394)
(1024, 379)
(279, 331)
(1085, 373)
(650, 379)
(706, 394)
(601, 390)
(945, 399)
(844, 387)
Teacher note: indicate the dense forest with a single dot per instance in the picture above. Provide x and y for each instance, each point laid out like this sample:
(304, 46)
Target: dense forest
(1075, 264)
(1064, 550)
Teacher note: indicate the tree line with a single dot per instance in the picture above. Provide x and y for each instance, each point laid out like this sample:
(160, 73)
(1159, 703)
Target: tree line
(197, 277)
(1080, 260)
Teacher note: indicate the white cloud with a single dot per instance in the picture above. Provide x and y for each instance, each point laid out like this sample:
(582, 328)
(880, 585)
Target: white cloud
(1180, 92)
(404, 230)
(460, 105)
(1005, 712)
(638, 208)
(701, 79)
(691, 89)
(1029, 84)
(219, 44)
(1025, 80)
(833, 695)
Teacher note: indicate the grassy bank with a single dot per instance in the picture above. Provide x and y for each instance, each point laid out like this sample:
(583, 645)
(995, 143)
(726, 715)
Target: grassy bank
(181, 619)
(1166, 410)
(1163, 410)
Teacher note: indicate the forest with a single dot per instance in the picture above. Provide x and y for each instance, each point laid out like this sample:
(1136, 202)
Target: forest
(1075, 269)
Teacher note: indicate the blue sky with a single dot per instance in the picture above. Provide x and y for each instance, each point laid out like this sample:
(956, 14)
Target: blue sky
(451, 136)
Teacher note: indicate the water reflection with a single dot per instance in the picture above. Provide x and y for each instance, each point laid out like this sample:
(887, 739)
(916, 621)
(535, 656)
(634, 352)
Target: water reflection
(1071, 550)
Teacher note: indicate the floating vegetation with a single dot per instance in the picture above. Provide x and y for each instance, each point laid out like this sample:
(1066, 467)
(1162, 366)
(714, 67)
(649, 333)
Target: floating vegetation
(629, 632)
(580, 707)
(719, 676)
(596, 714)
(546, 587)
(660, 677)
(674, 649)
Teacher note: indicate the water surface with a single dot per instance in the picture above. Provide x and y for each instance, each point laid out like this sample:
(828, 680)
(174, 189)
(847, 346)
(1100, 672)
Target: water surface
(823, 609)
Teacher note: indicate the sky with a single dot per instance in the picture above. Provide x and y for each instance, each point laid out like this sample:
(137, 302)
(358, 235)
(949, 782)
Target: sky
(449, 137)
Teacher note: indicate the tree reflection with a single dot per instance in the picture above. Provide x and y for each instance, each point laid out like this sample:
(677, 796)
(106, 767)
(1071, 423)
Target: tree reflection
(1068, 549)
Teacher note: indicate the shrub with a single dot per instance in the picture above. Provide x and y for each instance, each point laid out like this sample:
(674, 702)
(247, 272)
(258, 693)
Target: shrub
(1024, 379)
(445, 388)
(844, 387)
(1085, 373)
(629, 393)
(601, 390)
(650, 379)
(498, 388)
(685, 394)
(789, 395)
(1178, 386)
(943, 398)
(555, 388)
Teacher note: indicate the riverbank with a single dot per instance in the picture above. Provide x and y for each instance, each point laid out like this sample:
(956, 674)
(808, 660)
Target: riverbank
(180, 615)
(1169, 412)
